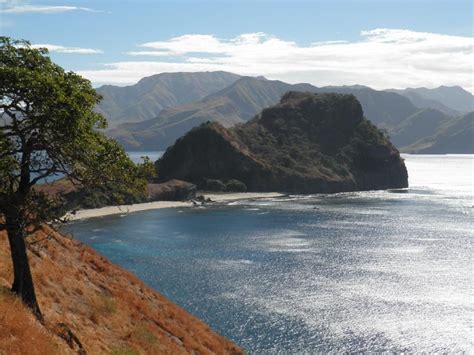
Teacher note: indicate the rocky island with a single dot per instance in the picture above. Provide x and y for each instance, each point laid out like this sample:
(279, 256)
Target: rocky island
(308, 143)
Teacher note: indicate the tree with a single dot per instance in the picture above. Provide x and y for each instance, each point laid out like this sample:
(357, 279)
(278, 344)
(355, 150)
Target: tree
(48, 127)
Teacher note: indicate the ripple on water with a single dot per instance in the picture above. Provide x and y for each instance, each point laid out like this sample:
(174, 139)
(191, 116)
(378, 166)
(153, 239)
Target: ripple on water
(354, 272)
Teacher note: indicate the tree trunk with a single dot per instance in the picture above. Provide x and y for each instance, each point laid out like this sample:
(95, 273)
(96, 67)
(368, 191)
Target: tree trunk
(22, 281)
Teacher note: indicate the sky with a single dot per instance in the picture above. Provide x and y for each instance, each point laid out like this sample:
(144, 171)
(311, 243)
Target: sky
(378, 43)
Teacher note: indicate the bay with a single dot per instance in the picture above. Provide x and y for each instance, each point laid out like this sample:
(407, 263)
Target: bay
(362, 271)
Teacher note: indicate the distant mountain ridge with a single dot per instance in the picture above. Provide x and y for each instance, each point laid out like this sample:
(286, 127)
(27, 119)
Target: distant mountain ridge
(455, 136)
(235, 104)
(242, 100)
(150, 95)
(408, 117)
(449, 99)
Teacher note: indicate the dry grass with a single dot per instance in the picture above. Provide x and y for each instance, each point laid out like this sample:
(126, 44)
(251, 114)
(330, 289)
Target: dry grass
(107, 308)
(20, 333)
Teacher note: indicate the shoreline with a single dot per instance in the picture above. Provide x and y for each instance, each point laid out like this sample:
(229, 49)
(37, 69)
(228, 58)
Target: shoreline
(138, 207)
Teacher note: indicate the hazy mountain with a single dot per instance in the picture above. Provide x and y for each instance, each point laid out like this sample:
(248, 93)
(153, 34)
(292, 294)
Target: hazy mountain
(402, 116)
(150, 95)
(422, 102)
(385, 109)
(456, 136)
(449, 99)
(242, 100)
(423, 123)
(235, 104)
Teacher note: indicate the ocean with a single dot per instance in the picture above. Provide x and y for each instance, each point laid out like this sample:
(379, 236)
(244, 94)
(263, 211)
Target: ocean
(349, 272)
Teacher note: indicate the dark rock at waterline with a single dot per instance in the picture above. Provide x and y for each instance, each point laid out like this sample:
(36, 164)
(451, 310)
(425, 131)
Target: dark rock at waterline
(308, 143)
(172, 190)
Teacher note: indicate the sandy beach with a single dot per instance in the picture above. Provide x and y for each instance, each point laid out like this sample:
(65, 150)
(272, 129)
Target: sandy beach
(124, 209)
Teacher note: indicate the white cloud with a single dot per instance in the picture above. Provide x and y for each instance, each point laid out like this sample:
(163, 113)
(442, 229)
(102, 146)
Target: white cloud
(149, 53)
(43, 9)
(382, 58)
(69, 50)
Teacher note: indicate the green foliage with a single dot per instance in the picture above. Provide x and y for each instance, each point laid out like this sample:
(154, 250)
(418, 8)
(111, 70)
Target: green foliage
(147, 170)
(214, 185)
(48, 127)
(124, 350)
(143, 334)
(235, 186)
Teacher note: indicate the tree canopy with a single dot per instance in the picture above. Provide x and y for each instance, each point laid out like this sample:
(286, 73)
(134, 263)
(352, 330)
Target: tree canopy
(48, 126)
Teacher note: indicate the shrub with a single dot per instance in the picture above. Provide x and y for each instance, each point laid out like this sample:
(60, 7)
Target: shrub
(235, 186)
(102, 306)
(143, 334)
(215, 185)
(124, 350)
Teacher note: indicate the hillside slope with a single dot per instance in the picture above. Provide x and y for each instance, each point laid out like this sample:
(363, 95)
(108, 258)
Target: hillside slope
(453, 97)
(424, 102)
(150, 95)
(455, 136)
(240, 102)
(408, 115)
(235, 104)
(309, 143)
(385, 109)
(108, 309)
(421, 124)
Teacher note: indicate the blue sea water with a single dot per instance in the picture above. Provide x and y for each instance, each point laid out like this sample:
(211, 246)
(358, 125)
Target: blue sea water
(365, 271)
(135, 156)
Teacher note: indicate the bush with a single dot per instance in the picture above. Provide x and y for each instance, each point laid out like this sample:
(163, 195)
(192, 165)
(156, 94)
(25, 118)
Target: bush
(235, 186)
(215, 185)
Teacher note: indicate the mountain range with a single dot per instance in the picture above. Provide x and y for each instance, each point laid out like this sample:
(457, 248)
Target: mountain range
(449, 99)
(150, 95)
(153, 113)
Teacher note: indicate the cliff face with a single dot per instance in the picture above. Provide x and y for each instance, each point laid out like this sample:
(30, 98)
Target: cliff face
(86, 299)
(308, 143)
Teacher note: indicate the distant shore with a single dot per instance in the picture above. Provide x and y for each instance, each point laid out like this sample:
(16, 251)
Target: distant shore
(124, 209)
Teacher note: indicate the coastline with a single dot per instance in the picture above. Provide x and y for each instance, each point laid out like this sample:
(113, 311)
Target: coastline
(125, 209)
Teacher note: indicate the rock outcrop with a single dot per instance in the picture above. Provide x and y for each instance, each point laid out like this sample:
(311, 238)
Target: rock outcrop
(173, 190)
(308, 143)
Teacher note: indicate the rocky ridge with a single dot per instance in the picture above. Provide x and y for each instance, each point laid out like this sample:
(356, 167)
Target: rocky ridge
(308, 143)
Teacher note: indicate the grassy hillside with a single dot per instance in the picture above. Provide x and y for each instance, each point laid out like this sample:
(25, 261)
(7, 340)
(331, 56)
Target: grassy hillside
(109, 310)
(149, 96)
(423, 123)
(235, 104)
(456, 136)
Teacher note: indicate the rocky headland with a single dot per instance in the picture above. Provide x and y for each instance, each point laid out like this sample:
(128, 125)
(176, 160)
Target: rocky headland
(308, 143)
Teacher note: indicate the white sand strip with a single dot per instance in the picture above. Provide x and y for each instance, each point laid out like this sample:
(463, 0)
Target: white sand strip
(225, 197)
(123, 209)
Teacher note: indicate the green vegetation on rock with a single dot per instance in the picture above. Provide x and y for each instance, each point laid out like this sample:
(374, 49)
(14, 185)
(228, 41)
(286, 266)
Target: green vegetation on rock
(48, 127)
(307, 143)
